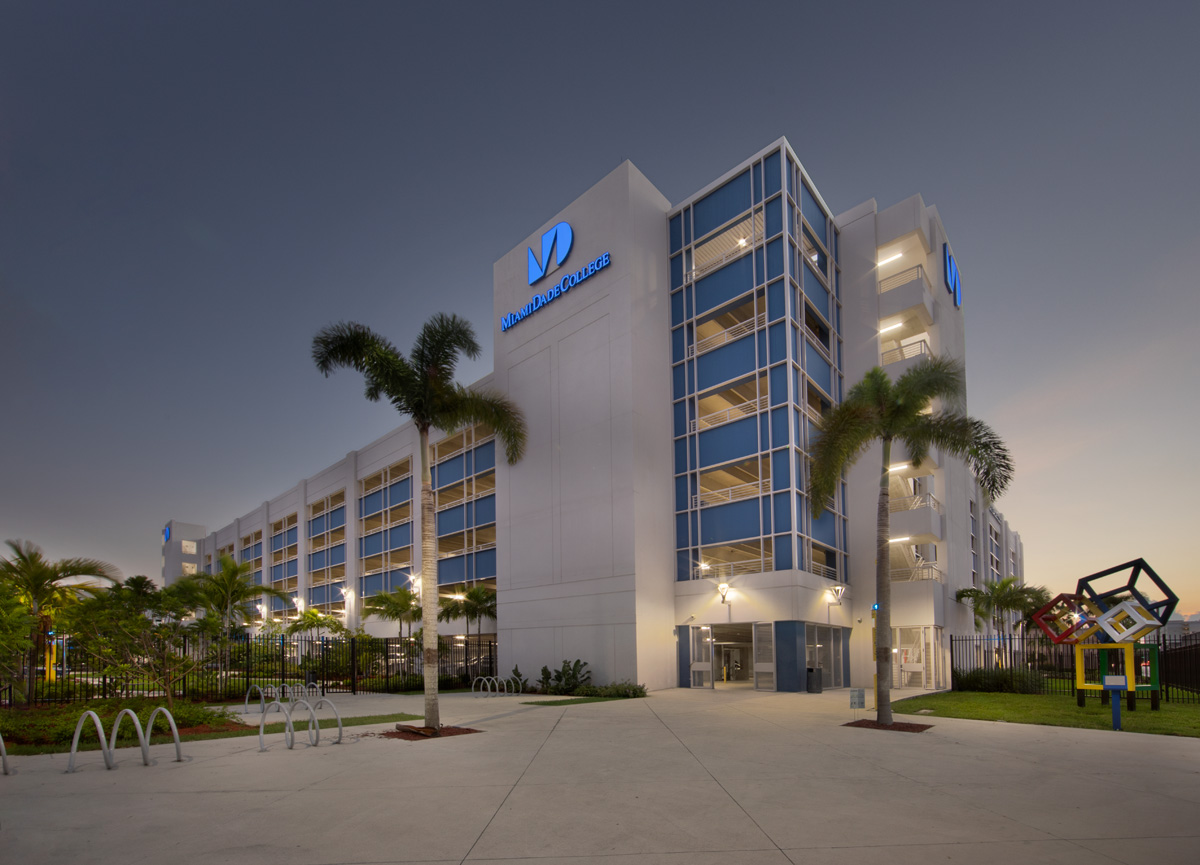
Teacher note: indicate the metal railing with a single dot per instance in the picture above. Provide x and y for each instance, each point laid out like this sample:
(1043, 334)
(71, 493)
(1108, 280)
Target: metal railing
(924, 571)
(730, 334)
(823, 571)
(912, 503)
(717, 263)
(465, 550)
(715, 570)
(731, 494)
(813, 414)
(904, 277)
(734, 412)
(904, 352)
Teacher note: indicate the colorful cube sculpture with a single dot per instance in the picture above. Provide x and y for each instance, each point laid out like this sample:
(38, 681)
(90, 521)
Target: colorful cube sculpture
(1104, 587)
(1128, 622)
(1068, 618)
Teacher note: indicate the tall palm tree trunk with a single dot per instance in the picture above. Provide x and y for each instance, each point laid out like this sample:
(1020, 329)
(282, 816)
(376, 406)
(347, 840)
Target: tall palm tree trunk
(883, 596)
(429, 587)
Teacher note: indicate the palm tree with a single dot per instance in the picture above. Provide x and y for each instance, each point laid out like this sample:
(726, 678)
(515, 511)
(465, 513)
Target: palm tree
(399, 605)
(879, 409)
(38, 584)
(478, 603)
(313, 619)
(423, 387)
(227, 593)
(1000, 598)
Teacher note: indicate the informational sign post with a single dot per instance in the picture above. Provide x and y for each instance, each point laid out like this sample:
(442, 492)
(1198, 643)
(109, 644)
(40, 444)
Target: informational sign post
(1118, 684)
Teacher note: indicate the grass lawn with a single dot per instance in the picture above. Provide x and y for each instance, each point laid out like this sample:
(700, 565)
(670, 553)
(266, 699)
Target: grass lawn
(571, 701)
(1173, 719)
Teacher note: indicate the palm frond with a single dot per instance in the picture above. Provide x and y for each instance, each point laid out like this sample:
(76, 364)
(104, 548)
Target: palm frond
(355, 346)
(938, 377)
(846, 432)
(438, 344)
(969, 439)
(465, 406)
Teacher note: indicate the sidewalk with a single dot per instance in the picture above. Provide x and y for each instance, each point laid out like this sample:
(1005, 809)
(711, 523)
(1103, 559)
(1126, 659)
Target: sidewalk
(680, 778)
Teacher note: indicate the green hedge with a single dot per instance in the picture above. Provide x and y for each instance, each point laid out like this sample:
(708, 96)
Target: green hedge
(998, 680)
(55, 725)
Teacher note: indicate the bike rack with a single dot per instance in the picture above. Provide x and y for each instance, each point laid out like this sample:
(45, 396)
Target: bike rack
(494, 686)
(289, 730)
(279, 694)
(107, 748)
(4, 754)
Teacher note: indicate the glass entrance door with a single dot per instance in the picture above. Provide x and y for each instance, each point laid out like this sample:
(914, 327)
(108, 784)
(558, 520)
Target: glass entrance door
(702, 656)
(764, 656)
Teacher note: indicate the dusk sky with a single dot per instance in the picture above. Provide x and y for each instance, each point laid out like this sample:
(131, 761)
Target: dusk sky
(188, 192)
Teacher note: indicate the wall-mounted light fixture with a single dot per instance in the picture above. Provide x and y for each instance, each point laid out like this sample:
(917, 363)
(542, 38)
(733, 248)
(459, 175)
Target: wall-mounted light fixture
(724, 590)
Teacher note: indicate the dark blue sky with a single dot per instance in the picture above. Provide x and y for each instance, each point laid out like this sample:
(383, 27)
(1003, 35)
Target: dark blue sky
(187, 193)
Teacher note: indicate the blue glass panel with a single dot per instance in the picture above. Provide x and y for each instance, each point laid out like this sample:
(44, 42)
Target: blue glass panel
(452, 570)
(758, 183)
(292, 534)
(258, 550)
(792, 225)
(835, 257)
(824, 528)
(247, 553)
(760, 270)
(681, 493)
(687, 226)
(687, 303)
(371, 545)
(450, 471)
(775, 304)
(336, 518)
(316, 561)
(276, 572)
(680, 456)
(277, 605)
(729, 522)
(783, 551)
(400, 492)
(679, 381)
(678, 345)
(681, 530)
(677, 308)
(774, 214)
(781, 470)
(778, 335)
(779, 426)
(724, 443)
(451, 520)
(775, 259)
(485, 511)
(818, 368)
(762, 343)
(400, 536)
(788, 175)
(677, 271)
(485, 564)
(783, 512)
(291, 568)
(723, 285)
(676, 230)
(764, 433)
(277, 542)
(731, 360)
(317, 526)
(485, 456)
(766, 515)
(469, 468)
(683, 566)
(680, 411)
(821, 261)
(722, 204)
(318, 595)
(779, 391)
(818, 294)
(695, 524)
(337, 555)
(771, 172)
(814, 214)
(372, 585)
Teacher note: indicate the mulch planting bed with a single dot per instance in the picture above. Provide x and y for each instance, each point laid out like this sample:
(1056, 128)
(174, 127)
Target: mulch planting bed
(417, 734)
(899, 726)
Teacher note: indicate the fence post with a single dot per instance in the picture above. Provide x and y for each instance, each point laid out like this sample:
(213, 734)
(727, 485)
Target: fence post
(353, 666)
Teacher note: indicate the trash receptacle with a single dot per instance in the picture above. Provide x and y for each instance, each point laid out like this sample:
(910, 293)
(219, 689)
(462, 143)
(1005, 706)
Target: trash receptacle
(814, 680)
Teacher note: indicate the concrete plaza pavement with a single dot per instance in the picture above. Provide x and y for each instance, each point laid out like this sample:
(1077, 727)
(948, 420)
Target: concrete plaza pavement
(681, 778)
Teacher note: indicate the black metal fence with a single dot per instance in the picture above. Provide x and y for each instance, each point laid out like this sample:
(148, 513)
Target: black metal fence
(1034, 664)
(213, 671)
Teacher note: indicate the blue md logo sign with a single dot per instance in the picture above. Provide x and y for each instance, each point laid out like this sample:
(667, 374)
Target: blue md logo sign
(953, 280)
(557, 240)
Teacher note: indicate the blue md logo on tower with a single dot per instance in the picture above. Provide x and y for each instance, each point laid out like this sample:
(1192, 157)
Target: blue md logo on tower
(953, 280)
(557, 240)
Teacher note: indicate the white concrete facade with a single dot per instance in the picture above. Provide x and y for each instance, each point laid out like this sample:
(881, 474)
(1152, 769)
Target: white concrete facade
(633, 502)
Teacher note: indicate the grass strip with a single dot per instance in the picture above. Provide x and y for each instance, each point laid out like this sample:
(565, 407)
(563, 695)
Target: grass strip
(1172, 719)
(573, 701)
(300, 725)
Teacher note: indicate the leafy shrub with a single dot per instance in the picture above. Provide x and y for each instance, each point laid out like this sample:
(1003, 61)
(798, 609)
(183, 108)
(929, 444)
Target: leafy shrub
(522, 682)
(565, 681)
(56, 725)
(998, 680)
(625, 689)
(586, 691)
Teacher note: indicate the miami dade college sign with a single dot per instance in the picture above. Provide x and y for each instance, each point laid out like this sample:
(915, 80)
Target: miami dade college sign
(557, 240)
